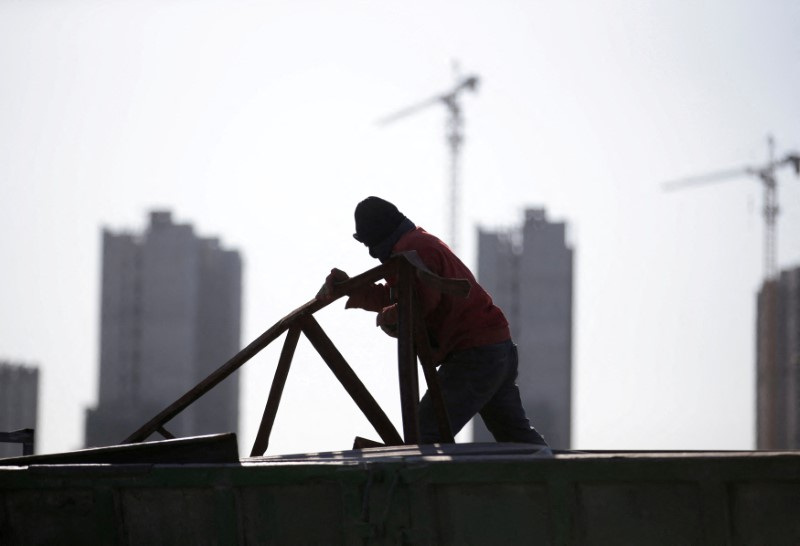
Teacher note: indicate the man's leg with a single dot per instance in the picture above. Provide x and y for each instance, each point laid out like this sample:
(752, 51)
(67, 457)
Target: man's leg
(468, 379)
(504, 414)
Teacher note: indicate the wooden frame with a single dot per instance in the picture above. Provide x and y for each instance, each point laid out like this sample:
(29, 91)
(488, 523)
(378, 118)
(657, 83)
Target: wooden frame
(412, 342)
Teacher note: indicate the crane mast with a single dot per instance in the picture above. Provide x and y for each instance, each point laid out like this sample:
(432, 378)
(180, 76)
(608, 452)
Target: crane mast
(771, 211)
(455, 139)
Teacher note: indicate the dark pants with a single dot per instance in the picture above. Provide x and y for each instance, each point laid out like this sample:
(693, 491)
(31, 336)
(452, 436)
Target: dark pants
(480, 380)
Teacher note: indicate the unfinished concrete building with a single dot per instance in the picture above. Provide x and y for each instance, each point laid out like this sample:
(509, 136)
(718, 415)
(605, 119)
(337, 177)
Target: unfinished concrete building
(529, 273)
(170, 315)
(19, 400)
(778, 362)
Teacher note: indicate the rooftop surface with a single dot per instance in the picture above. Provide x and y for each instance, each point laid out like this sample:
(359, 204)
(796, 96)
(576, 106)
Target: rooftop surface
(199, 491)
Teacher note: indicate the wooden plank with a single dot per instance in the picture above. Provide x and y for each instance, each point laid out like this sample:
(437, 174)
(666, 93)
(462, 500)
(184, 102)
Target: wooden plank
(350, 381)
(431, 378)
(276, 391)
(211, 449)
(406, 357)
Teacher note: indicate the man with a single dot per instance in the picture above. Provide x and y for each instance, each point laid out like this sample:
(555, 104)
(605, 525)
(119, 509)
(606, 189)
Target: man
(470, 336)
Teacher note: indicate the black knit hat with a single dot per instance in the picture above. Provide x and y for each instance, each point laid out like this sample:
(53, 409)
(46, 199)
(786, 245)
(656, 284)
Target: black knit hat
(376, 219)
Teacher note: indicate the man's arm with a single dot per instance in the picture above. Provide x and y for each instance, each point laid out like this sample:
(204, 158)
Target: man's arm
(372, 297)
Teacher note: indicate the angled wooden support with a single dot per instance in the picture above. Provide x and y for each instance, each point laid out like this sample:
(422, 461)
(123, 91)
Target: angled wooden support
(350, 381)
(165, 433)
(425, 354)
(276, 391)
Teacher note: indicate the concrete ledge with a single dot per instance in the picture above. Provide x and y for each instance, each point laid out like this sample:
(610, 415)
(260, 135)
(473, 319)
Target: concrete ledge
(467, 494)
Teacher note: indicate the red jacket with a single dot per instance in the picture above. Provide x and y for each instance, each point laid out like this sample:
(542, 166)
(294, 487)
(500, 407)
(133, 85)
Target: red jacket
(453, 323)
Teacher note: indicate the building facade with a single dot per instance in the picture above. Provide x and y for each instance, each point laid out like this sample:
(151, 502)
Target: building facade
(19, 400)
(778, 362)
(170, 315)
(529, 273)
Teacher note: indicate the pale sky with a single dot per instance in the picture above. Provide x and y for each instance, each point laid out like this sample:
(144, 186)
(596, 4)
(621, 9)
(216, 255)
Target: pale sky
(255, 122)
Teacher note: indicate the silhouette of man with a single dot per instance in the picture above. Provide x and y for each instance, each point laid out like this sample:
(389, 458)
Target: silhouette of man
(471, 341)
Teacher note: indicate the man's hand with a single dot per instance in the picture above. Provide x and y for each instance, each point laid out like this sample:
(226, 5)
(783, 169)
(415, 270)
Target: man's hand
(336, 276)
(387, 320)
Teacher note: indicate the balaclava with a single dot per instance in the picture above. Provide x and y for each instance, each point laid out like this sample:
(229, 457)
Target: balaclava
(379, 225)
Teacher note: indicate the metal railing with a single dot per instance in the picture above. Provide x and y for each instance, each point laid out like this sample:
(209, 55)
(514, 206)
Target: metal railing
(412, 343)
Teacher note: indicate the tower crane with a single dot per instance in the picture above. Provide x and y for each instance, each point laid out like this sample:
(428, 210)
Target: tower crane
(769, 374)
(454, 134)
(766, 174)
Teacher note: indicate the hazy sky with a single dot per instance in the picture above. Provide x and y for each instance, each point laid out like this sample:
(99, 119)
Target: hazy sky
(255, 121)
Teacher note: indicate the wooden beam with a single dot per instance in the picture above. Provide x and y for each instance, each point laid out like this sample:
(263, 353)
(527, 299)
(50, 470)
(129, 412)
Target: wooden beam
(406, 357)
(431, 378)
(165, 433)
(276, 391)
(350, 381)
